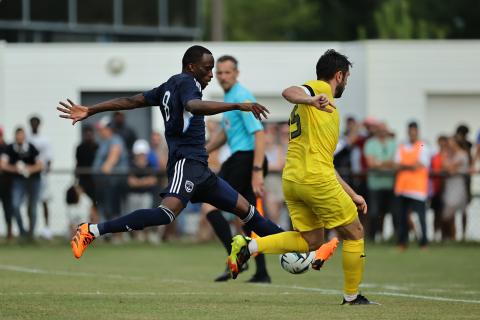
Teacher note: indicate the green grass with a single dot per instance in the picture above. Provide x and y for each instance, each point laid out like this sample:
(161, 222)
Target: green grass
(174, 281)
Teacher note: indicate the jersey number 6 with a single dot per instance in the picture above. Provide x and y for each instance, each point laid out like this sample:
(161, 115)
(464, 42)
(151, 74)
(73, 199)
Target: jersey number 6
(166, 98)
(295, 119)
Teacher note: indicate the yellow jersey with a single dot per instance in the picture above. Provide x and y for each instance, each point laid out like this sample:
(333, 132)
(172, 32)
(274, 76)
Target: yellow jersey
(314, 136)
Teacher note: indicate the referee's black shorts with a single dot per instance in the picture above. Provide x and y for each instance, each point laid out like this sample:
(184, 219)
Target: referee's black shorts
(237, 171)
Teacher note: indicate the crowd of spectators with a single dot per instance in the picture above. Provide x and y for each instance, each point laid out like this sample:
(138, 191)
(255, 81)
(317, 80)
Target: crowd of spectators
(118, 173)
(399, 178)
(24, 167)
(402, 179)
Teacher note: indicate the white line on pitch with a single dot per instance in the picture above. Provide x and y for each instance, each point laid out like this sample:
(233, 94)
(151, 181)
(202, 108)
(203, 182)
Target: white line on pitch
(417, 296)
(64, 273)
(132, 293)
(381, 293)
(318, 290)
(102, 293)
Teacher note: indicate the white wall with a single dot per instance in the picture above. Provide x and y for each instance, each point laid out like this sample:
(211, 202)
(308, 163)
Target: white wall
(353, 101)
(446, 111)
(400, 75)
(389, 80)
(39, 75)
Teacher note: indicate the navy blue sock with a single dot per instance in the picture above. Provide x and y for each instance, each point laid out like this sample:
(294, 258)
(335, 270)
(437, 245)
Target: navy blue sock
(258, 224)
(137, 220)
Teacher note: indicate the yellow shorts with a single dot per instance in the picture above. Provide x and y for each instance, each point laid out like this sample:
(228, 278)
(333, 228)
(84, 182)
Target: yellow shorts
(315, 206)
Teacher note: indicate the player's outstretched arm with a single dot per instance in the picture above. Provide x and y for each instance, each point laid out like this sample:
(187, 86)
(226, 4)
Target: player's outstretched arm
(297, 95)
(207, 108)
(77, 112)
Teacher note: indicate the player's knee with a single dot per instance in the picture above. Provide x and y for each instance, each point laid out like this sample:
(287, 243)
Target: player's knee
(173, 204)
(356, 232)
(352, 231)
(360, 233)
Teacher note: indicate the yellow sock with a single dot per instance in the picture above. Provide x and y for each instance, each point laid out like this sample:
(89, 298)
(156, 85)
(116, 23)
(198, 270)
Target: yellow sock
(353, 255)
(283, 242)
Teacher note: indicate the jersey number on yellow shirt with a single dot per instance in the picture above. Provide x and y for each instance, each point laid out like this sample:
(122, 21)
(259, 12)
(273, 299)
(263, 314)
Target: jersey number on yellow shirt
(295, 119)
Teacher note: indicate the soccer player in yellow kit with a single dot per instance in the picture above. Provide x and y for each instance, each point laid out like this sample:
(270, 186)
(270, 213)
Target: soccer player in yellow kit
(316, 196)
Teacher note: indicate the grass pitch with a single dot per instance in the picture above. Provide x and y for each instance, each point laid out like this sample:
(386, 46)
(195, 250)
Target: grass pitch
(174, 281)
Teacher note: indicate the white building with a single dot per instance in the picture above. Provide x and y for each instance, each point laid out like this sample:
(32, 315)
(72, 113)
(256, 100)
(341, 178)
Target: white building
(436, 83)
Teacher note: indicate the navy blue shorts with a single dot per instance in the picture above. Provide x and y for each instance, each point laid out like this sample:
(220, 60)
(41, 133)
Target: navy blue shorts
(193, 181)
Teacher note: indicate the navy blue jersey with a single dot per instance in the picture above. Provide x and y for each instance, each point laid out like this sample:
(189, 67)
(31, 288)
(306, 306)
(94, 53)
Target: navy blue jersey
(184, 132)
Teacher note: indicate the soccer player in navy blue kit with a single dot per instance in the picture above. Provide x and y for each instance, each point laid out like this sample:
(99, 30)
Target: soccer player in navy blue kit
(245, 168)
(189, 178)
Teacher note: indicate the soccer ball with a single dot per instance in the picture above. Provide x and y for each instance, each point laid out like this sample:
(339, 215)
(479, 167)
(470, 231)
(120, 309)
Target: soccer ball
(296, 263)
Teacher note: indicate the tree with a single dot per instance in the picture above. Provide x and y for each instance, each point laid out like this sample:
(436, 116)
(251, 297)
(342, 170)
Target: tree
(394, 20)
(346, 20)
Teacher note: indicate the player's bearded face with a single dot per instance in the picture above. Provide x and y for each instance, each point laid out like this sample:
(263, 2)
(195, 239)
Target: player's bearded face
(341, 86)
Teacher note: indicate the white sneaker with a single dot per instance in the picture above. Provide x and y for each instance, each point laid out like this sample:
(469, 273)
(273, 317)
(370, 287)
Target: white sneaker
(154, 238)
(46, 234)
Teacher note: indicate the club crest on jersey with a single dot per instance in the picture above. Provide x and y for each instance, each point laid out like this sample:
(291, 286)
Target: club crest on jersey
(189, 186)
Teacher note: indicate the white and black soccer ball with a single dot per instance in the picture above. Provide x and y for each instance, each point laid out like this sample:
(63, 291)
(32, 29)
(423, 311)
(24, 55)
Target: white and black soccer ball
(296, 263)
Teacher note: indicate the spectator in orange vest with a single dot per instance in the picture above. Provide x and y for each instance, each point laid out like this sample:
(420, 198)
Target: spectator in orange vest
(411, 186)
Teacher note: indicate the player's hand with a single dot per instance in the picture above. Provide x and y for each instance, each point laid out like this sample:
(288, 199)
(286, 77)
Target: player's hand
(258, 184)
(72, 111)
(257, 109)
(322, 103)
(360, 202)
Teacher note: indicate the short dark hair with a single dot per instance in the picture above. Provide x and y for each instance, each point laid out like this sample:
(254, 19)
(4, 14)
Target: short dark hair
(35, 118)
(412, 124)
(193, 55)
(19, 129)
(330, 63)
(463, 130)
(442, 138)
(351, 118)
(228, 58)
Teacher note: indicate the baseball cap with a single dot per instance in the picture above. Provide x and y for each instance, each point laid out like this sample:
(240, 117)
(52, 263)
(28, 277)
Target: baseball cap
(103, 122)
(141, 147)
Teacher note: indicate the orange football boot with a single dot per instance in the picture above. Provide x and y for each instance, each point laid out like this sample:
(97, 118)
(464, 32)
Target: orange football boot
(324, 253)
(83, 237)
